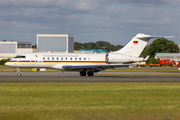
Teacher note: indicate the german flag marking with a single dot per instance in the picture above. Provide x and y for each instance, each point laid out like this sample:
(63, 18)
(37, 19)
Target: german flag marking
(135, 42)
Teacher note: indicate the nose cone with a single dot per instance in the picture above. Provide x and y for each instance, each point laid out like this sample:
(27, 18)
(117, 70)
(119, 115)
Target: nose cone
(7, 63)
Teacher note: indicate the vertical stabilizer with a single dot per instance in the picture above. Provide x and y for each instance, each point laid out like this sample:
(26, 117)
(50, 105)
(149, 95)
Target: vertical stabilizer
(136, 45)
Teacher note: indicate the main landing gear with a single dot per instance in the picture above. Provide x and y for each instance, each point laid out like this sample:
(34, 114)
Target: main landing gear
(82, 73)
(18, 72)
(89, 73)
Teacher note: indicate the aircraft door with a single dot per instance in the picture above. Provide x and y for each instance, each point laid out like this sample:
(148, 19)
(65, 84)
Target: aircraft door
(39, 60)
(34, 59)
(107, 58)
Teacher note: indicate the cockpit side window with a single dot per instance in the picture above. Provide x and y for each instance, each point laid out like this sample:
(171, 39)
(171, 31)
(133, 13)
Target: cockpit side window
(16, 57)
(22, 56)
(19, 56)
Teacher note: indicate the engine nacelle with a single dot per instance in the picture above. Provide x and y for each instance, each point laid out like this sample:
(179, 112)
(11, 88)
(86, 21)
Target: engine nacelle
(119, 58)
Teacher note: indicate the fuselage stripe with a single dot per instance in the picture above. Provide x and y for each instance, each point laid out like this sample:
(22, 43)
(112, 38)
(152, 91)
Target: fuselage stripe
(57, 62)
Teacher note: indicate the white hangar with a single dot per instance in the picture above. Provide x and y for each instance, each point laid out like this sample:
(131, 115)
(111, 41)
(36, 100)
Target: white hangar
(168, 56)
(55, 43)
(12, 49)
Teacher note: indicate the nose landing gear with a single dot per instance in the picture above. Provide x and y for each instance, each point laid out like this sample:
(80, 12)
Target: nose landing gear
(18, 72)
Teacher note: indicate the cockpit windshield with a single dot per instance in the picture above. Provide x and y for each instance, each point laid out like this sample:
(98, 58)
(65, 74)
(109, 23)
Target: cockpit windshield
(19, 56)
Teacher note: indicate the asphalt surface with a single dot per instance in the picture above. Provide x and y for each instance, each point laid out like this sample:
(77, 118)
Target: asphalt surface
(75, 77)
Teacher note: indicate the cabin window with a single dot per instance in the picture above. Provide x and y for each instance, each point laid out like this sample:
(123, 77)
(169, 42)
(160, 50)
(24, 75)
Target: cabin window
(52, 58)
(84, 58)
(48, 58)
(79, 58)
(75, 58)
(65, 58)
(61, 58)
(43, 58)
(70, 58)
(57, 58)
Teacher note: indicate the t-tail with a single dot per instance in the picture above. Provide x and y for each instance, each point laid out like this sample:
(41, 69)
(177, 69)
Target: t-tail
(137, 44)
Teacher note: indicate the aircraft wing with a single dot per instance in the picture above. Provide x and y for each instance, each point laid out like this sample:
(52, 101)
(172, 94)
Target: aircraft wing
(95, 67)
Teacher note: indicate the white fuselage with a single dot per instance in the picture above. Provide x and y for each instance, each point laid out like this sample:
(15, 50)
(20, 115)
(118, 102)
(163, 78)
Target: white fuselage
(57, 60)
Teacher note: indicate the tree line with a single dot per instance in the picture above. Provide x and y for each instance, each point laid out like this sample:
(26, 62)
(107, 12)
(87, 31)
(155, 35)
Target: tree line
(160, 45)
(97, 45)
(3, 61)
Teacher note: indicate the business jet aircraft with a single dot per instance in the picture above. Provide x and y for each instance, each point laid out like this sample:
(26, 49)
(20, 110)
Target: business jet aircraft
(84, 63)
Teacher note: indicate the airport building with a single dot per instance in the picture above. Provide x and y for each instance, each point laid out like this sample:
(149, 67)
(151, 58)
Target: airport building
(55, 43)
(12, 49)
(45, 43)
(168, 56)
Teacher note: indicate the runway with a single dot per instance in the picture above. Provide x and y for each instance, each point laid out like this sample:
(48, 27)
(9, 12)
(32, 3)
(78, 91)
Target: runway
(74, 77)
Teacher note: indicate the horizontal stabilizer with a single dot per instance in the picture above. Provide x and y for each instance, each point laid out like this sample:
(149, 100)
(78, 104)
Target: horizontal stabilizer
(152, 37)
(147, 57)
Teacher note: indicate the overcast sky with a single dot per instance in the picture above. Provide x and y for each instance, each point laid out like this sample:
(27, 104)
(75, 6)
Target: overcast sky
(116, 21)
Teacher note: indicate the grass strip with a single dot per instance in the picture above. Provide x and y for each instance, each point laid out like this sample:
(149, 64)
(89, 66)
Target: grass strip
(74, 101)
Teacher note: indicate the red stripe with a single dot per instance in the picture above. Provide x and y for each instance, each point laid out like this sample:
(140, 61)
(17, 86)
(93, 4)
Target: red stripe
(59, 61)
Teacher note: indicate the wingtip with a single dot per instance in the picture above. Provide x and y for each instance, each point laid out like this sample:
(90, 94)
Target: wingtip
(168, 36)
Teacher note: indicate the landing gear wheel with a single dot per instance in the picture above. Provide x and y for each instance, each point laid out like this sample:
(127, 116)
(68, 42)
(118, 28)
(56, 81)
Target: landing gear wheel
(83, 73)
(18, 74)
(90, 73)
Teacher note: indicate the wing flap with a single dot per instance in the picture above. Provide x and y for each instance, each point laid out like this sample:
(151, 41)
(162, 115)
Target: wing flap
(101, 67)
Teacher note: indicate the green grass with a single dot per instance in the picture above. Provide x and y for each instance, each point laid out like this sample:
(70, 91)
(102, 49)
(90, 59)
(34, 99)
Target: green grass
(44, 101)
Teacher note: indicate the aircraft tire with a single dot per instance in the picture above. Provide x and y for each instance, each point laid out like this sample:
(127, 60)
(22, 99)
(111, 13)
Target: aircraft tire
(83, 73)
(18, 74)
(90, 73)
